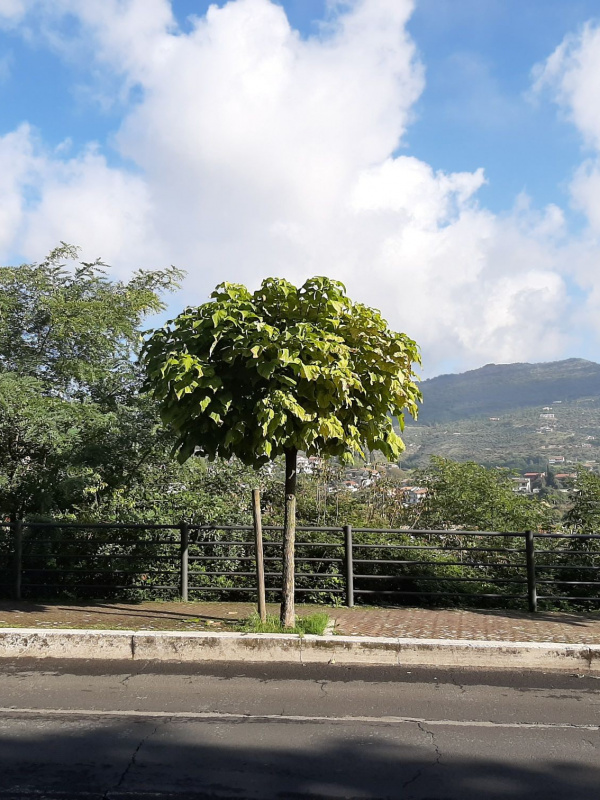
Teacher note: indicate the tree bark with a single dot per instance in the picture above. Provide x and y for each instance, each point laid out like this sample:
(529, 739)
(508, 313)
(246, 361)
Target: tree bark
(288, 614)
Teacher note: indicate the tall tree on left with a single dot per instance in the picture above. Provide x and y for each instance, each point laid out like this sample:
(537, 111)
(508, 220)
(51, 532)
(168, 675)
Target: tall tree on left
(72, 421)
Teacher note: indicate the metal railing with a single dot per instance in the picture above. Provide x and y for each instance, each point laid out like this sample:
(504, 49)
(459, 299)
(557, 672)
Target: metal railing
(333, 564)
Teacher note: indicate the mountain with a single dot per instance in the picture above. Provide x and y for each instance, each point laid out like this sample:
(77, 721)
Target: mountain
(498, 388)
(516, 415)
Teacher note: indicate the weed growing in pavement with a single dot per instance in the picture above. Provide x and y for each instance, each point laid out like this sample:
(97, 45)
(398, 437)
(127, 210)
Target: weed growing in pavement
(313, 624)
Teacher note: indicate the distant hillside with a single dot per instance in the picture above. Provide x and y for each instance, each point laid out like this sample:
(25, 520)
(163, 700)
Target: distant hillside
(499, 388)
(526, 438)
(517, 415)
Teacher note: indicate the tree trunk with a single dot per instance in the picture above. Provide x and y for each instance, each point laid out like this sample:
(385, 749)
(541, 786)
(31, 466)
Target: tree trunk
(288, 615)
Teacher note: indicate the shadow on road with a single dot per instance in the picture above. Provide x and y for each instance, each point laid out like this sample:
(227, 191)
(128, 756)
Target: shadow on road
(179, 758)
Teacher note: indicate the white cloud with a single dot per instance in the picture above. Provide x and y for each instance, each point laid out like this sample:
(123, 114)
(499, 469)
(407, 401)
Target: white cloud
(108, 209)
(257, 152)
(45, 198)
(16, 166)
(572, 75)
(11, 11)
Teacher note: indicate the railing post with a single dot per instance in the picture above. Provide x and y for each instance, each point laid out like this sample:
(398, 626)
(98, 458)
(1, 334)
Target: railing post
(530, 557)
(349, 565)
(184, 559)
(18, 558)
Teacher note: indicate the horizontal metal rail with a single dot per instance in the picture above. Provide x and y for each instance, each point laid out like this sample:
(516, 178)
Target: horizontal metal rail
(139, 543)
(437, 563)
(436, 594)
(443, 578)
(94, 571)
(266, 558)
(435, 532)
(570, 583)
(114, 556)
(568, 536)
(578, 598)
(565, 566)
(567, 551)
(102, 586)
(440, 547)
(98, 525)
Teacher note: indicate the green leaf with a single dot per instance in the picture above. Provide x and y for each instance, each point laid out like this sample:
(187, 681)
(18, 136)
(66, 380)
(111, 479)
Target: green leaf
(323, 399)
(266, 368)
(218, 317)
(309, 372)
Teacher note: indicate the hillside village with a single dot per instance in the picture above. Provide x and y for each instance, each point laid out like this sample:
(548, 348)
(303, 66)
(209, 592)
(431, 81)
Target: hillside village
(525, 417)
(543, 445)
(561, 436)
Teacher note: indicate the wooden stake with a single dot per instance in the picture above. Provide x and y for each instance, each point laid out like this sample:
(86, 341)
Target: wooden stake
(288, 612)
(260, 561)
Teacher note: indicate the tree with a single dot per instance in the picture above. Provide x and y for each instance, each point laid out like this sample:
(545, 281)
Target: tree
(73, 424)
(584, 515)
(550, 477)
(578, 557)
(469, 496)
(266, 374)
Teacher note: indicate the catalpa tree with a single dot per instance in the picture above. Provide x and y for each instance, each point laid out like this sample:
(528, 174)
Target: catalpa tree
(266, 374)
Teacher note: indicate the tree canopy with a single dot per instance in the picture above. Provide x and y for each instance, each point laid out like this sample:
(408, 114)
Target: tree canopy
(72, 420)
(469, 496)
(73, 327)
(584, 514)
(254, 375)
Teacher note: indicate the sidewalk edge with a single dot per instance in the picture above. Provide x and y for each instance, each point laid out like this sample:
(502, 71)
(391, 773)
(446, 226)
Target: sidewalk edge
(291, 648)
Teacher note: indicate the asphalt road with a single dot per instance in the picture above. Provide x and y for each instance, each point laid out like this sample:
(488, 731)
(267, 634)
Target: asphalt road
(123, 730)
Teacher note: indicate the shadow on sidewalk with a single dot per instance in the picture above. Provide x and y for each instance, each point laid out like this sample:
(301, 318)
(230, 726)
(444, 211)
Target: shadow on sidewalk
(557, 617)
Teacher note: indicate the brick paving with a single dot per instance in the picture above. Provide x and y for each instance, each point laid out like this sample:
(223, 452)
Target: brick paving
(362, 621)
(426, 623)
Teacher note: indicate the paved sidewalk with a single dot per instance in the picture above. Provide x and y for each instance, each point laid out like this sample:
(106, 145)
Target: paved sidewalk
(421, 623)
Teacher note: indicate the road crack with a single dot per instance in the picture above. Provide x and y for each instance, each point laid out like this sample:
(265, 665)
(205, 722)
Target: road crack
(438, 752)
(457, 684)
(438, 755)
(133, 674)
(132, 760)
(413, 779)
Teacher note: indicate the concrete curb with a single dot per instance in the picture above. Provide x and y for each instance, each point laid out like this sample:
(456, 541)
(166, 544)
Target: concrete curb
(291, 648)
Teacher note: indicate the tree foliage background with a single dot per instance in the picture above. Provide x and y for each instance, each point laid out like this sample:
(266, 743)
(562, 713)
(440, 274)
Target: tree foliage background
(74, 426)
(81, 440)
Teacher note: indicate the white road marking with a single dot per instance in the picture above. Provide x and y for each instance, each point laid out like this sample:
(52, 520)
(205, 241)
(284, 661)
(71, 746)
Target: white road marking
(226, 717)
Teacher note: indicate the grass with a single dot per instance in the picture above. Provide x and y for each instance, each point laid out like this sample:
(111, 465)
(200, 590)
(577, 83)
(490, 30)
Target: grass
(313, 624)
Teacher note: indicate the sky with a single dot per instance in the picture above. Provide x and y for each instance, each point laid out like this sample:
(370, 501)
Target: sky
(440, 157)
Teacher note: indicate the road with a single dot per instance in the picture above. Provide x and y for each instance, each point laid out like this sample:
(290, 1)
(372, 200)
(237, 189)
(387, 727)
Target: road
(133, 730)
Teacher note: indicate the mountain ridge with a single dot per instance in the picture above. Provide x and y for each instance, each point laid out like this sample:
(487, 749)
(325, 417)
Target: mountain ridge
(499, 388)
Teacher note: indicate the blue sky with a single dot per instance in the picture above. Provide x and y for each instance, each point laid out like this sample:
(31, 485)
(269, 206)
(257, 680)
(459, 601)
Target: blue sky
(440, 157)
(479, 58)
(475, 109)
